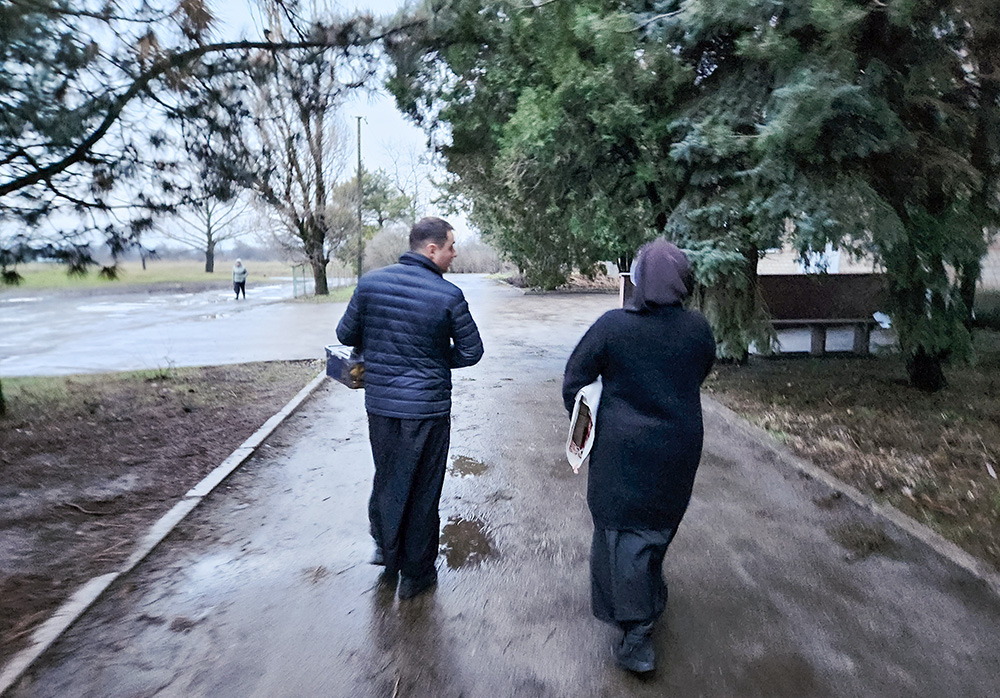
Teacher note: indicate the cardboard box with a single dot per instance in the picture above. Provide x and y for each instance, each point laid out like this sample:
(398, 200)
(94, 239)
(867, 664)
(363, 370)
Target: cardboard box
(345, 366)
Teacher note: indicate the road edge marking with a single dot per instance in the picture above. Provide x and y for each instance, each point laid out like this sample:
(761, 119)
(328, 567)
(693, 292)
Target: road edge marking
(70, 611)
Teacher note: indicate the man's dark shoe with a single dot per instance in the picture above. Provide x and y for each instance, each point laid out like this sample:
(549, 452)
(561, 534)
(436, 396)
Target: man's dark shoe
(414, 586)
(635, 652)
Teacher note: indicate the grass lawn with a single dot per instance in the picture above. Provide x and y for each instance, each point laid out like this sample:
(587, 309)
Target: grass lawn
(187, 275)
(934, 456)
(42, 275)
(338, 294)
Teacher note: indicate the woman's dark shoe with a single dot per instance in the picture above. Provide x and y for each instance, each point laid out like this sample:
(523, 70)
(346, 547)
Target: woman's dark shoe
(635, 652)
(414, 586)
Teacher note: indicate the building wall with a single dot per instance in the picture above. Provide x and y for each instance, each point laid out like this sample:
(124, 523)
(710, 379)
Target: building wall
(784, 262)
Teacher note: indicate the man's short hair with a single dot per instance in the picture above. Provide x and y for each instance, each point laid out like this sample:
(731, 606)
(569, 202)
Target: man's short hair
(428, 230)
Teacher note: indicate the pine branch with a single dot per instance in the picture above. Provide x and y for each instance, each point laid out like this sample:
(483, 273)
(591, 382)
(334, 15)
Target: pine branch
(51, 11)
(175, 62)
(640, 27)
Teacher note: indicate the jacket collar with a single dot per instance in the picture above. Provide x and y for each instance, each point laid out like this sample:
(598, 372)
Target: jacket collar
(416, 259)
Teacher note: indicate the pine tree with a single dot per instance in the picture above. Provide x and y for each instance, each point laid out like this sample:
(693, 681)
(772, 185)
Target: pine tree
(578, 130)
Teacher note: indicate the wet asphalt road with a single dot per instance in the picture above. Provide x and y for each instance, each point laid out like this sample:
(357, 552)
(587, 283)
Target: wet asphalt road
(59, 334)
(265, 590)
(62, 334)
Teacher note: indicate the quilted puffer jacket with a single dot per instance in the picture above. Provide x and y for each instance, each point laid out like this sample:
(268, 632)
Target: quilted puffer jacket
(413, 327)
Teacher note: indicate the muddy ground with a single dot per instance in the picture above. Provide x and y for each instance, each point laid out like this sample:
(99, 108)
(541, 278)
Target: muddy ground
(88, 463)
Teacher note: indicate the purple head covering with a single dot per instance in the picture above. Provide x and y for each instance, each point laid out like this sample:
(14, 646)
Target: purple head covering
(660, 274)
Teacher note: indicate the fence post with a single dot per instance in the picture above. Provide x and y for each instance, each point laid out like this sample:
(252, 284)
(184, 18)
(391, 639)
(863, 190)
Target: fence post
(299, 275)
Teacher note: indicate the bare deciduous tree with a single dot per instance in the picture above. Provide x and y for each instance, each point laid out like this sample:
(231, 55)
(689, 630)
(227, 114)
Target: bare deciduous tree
(299, 141)
(204, 224)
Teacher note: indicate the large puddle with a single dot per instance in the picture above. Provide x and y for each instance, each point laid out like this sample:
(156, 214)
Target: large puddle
(465, 542)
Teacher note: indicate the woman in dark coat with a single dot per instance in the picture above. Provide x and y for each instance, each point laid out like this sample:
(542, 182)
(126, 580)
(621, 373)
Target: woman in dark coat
(652, 357)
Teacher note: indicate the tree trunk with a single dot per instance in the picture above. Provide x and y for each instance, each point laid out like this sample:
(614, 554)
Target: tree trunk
(911, 309)
(319, 275)
(968, 277)
(748, 303)
(926, 371)
(210, 258)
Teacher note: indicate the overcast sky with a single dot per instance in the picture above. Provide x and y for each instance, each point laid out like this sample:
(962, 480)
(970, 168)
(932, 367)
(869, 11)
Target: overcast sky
(386, 136)
(384, 130)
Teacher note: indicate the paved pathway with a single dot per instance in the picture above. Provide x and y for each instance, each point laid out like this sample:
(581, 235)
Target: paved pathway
(265, 590)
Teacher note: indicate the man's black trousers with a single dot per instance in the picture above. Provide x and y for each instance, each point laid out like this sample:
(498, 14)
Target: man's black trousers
(410, 458)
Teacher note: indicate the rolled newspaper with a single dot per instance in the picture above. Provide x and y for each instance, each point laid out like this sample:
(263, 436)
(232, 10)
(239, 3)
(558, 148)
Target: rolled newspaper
(583, 424)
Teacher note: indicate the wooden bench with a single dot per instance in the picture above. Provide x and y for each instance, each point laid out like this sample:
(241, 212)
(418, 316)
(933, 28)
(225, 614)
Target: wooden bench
(816, 301)
(822, 301)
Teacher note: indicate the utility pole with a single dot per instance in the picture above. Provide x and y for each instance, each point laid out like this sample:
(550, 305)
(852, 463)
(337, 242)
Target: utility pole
(361, 227)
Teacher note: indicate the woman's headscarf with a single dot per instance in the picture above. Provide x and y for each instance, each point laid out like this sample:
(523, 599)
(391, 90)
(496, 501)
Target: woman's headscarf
(661, 273)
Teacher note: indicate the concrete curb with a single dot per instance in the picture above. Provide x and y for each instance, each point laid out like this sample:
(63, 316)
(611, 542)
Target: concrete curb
(70, 611)
(927, 536)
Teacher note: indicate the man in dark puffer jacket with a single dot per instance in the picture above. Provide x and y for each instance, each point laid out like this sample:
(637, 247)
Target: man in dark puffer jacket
(413, 327)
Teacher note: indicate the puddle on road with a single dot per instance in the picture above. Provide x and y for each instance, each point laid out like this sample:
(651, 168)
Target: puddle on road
(119, 307)
(464, 542)
(212, 574)
(463, 466)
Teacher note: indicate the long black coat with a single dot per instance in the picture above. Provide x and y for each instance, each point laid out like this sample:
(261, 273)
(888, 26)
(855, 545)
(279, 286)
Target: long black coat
(649, 427)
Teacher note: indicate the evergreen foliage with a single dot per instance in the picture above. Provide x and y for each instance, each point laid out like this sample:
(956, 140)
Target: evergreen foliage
(554, 125)
(576, 131)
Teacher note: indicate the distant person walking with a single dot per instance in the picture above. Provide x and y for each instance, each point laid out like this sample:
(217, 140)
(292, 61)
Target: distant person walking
(240, 279)
(413, 327)
(652, 357)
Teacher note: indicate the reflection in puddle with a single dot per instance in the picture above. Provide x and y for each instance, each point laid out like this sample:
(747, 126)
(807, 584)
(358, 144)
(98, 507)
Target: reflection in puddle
(464, 542)
(211, 573)
(114, 308)
(463, 466)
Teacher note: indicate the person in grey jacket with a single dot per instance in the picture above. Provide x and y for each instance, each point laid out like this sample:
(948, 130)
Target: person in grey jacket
(240, 279)
(413, 327)
(652, 357)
